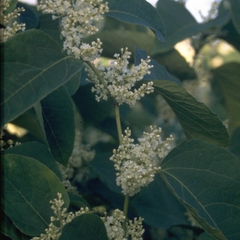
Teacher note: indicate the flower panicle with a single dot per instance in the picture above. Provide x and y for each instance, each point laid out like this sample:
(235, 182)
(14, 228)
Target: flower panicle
(59, 220)
(121, 80)
(115, 230)
(9, 21)
(77, 21)
(137, 164)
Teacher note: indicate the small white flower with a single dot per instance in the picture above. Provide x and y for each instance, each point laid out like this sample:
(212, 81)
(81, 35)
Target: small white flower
(11, 26)
(114, 227)
(61, 217)
(136, 164)
(77, 22)
(121, 81)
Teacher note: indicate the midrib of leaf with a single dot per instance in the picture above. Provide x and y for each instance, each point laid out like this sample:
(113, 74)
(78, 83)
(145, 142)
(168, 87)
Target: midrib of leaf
(188, 191)
(53, 132)
(26, 200)
(186, 115)
(31, 80)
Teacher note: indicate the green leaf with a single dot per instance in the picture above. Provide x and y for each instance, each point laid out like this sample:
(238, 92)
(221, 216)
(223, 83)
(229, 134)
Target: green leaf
(84, 227)
(85, 100)
(11, 6)
(50, 27)
(157, 209)
(157, 72)
(227, 77)
(34, 66)
(105, 169)
(137, 12)
(235, 9)
(205, 236)
(231, 35)
(11, 231)
(116, 35)
(180, 24)
(206, 179)
(234, 145)
(59, 124)
(28, 188)
(30, 120)
(176, 64)
(28, 17)
(37, 151)
(197, 121)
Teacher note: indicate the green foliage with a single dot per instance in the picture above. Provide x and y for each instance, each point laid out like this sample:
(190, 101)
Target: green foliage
(47, 92)
(87, 226)
(28, 188)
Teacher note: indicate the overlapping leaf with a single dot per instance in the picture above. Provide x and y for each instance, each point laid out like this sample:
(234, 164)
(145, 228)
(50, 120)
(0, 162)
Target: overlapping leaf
(197, 121)
(86, 227)
(37, 151)
(227, 77)
(180, 24)
(31, 76)
(28, 188)
(137, 12)
(205, 178)
(59, 124)
(157, 209)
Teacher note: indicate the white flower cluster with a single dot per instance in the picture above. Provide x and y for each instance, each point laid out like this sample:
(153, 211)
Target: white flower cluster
(76, 168)
(77, 18)
(11, 26)
(60, 219)
(120, 80)
(114, 226)
(136, 164)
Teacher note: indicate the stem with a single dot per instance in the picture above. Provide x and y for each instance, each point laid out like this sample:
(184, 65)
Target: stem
(118, 122)
(119, 130)
(125, 212)
(95, 70)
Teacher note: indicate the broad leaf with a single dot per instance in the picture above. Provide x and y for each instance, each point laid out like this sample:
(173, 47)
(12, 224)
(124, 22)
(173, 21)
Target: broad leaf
(28, 17)
(180, 24)
(105, 169)
(9, 229)
(176, 64)
(206, 179)
(137, 12)
(59, 124)
(31, 121)
(227, 77)
(231, 35)
(85, 100)
(37, 151)
(157, 71)
(28, 188)
(205, 236)
(116, 35)
(234, 145)
(197, 121)
(235, 9)
(34, 66)
(84, 227)
(157, 209)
